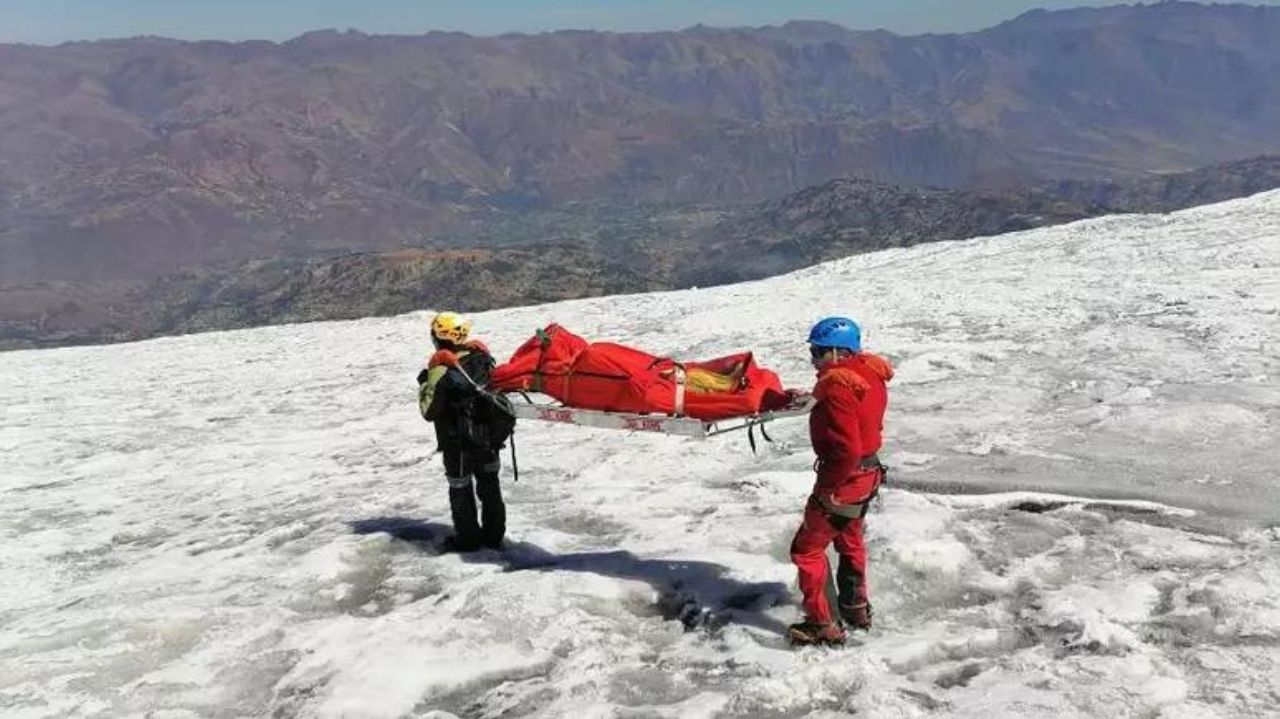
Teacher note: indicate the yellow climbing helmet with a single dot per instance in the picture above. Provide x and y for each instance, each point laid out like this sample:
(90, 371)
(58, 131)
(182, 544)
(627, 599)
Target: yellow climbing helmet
(450, 327)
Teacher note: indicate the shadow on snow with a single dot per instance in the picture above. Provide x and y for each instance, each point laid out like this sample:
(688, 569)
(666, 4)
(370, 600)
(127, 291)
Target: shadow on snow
(699, 594)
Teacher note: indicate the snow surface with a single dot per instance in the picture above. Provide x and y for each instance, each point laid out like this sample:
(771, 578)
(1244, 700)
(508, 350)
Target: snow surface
(247, 523)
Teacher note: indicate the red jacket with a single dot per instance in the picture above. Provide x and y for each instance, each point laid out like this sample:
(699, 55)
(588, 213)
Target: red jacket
(846, 422)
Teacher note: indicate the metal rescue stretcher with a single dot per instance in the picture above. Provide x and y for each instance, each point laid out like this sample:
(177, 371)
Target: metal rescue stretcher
(606, 385)
(680, 426)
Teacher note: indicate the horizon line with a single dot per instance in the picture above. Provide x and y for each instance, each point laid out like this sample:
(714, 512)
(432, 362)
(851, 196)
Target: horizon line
(352, 31)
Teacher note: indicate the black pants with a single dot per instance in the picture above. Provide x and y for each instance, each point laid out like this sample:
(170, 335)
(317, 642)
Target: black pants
(460, 467)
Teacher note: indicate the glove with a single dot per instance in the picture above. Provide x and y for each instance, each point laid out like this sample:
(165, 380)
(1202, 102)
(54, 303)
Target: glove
(443, 357)
(797, 398)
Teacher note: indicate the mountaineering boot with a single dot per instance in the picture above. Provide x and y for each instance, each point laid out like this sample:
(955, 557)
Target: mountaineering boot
(809, 633)
(856, 616)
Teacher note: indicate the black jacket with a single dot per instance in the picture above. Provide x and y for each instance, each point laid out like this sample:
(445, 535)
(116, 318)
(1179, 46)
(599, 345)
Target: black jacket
(448, 399)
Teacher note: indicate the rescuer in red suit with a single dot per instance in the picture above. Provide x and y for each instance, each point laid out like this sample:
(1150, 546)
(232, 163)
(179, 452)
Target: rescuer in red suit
(844, 426)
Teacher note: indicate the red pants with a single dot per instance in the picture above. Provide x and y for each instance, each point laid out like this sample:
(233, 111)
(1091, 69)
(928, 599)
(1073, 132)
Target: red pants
(809, 552)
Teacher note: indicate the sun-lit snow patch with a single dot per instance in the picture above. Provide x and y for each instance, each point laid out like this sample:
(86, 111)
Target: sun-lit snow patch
(1080, 520)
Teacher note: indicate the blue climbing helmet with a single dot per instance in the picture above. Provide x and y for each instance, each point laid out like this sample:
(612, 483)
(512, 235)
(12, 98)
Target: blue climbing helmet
(839, 332)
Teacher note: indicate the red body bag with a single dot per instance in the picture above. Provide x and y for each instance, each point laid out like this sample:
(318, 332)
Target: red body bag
(615, 378)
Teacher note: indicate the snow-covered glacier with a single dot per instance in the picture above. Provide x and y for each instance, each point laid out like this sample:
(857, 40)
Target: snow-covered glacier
(1082, 520)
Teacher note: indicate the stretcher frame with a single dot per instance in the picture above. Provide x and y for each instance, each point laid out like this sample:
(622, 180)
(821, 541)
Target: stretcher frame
(680, 426)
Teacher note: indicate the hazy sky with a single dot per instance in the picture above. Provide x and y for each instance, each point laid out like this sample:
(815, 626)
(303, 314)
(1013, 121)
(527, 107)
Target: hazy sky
(52, 21)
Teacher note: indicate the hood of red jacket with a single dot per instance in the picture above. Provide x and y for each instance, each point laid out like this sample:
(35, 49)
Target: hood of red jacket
(846, 371)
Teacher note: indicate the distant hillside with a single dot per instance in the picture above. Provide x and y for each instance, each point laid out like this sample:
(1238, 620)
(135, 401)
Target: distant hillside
(590, 250)
(845, 217)
(1166, 192)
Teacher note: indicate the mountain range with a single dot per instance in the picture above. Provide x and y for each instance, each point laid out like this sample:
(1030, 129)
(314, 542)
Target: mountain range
(145, 180)
(134, 158)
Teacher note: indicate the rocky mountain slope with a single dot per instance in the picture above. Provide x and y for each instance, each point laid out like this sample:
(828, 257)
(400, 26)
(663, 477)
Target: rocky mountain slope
(131, 159)
(590, 250)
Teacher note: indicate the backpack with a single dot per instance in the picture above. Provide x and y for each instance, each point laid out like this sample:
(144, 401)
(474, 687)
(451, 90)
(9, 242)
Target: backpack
(489, 419)
(493, 421)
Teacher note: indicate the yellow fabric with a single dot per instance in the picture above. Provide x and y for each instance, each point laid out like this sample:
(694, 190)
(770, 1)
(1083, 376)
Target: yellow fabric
(427, 391)
(706, 381)
(435, 373)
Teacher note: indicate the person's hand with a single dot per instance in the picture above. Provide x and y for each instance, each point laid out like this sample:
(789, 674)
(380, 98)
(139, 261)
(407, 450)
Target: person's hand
(798, 397)
(443, 357)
